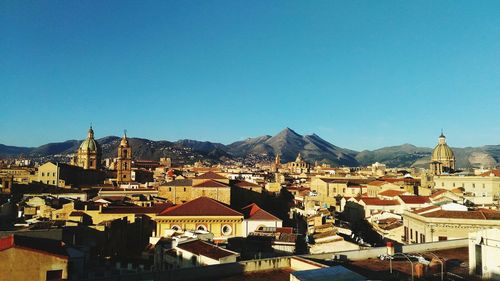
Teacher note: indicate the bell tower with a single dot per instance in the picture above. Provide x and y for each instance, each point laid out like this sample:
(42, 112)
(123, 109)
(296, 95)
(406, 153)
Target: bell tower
(124, 161)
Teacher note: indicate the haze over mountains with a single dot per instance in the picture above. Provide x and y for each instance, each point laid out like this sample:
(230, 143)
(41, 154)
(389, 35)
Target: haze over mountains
(287, 143)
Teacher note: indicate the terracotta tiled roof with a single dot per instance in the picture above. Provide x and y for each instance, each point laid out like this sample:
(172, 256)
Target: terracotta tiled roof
(414, 199)
(377, 183)
(77, 214)
(471, 215)
(202, 206)
(427, 209)
(378, 202)
(245, 184)
(136, 209)
(210, 175)
(41, 245)
(183, 182)
(211, 183)
(438, 192)
(201, 248)
(254, 212)
(391, 193)
(495, 173)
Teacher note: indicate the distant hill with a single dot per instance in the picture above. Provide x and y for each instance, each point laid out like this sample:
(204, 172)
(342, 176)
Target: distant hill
(394, 156)
(287, 143)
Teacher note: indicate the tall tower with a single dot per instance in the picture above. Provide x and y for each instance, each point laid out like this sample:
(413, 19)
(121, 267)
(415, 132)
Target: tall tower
(124, 161)
(89, 152)
(443, 158)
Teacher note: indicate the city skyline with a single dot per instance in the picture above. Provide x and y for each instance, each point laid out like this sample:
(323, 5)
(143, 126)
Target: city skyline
(360, 75)
(98, 136)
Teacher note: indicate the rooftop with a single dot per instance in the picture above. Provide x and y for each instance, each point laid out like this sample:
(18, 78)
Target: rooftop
(41, 245)
(201, 206)
(211, 183)
(211, 175)
(254, 212)
(199, 247)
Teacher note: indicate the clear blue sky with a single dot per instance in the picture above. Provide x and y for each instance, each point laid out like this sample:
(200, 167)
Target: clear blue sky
(361, 74)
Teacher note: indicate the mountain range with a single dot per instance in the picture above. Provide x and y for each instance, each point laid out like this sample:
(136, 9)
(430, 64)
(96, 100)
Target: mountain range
(287, 143)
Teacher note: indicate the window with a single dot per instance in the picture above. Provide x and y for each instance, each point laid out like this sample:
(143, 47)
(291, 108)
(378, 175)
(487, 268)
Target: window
(54, 174)
(43, 174)
(176, 227)
(53, 182)
(226, 229)
(474, 185)
(184, 189)
(169, 189)
(442, 238)
(453, 184)
(411, 233)
(442, 184)
(416, 236)
(201, 227)
(53, 275)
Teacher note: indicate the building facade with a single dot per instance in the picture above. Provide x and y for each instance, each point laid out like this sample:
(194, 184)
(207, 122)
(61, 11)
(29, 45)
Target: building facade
(443, 158)
(124, 161)
(88, 155)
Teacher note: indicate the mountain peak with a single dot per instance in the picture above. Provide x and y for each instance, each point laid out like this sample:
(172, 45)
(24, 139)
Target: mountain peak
(288, 131)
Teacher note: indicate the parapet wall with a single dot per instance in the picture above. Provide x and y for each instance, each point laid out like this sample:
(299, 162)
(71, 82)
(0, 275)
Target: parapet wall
(377, 251)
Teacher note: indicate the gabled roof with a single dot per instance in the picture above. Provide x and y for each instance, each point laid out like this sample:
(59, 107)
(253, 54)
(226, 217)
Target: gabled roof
(378, 202)
(254, 212)
(41, 245)
(201, 206)
(180, 182)
(210, 175)
(241, 183)
(136, 209)
(211, 183)
(438, 192)
(201, 248)
(427, 209)
(414, 199)
(391, 193)
(378, 183)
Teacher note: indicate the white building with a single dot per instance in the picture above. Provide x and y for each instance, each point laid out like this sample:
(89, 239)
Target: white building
(256, 218)
(484, 250)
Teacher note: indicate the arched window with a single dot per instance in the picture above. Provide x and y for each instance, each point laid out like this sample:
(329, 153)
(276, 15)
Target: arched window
(201, 227)
(125, 153)
(176, 228)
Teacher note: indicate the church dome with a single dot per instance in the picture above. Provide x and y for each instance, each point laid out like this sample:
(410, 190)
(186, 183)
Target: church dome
(89, 144)
(442, 151)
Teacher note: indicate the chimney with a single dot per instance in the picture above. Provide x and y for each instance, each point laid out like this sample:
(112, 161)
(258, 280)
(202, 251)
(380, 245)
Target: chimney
(390, 249)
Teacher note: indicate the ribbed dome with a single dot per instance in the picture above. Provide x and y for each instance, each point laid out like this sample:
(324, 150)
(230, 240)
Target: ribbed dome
(442, 151)
(89, 144)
